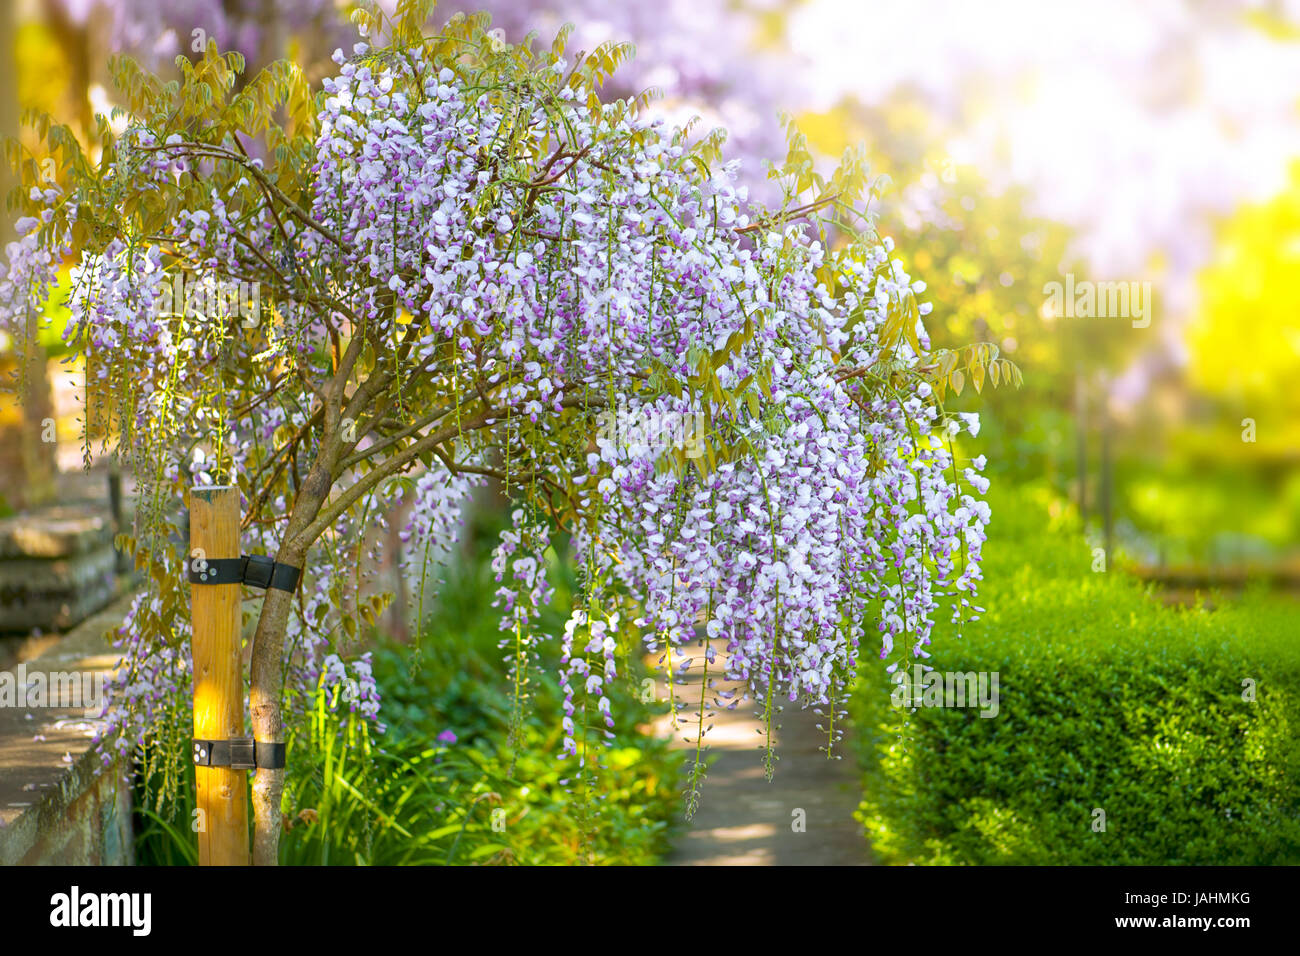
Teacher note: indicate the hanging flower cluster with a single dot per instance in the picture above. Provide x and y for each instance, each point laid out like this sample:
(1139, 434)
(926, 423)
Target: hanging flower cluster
(609, 269)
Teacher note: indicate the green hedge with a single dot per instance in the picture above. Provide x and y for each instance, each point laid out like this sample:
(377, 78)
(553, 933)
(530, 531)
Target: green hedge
(1108, 700)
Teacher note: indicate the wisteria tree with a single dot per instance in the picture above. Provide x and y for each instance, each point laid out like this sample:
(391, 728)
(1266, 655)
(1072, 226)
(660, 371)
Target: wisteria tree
(459, 264)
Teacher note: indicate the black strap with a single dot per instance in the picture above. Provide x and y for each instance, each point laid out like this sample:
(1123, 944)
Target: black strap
(239, 753)
(255, 570)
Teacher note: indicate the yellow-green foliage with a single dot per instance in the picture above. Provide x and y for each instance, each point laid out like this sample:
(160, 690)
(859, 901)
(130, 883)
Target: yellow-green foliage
(1245, 339)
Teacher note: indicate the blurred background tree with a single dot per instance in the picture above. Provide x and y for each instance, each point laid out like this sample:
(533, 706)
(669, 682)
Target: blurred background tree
(1225, 487)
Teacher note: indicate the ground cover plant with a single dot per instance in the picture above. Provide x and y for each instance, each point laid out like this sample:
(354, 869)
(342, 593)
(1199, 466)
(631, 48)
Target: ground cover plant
(445, 782)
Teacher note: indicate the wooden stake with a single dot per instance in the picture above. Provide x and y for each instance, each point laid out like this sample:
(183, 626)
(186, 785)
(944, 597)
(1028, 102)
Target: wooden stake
(218, 679)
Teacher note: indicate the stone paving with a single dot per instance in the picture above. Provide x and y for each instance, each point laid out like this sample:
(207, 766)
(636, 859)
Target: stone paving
(745, 820)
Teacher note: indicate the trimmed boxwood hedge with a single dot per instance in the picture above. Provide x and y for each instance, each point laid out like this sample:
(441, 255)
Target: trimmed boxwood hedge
(1108, 701)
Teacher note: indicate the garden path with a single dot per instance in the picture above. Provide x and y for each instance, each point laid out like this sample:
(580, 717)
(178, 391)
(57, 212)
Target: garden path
(744, 820)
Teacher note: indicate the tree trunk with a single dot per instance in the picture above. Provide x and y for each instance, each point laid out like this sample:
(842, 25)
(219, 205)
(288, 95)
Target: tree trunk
(266, 691)
(266, 684)
(266, 671)
(1106, 502)
(1081, 436)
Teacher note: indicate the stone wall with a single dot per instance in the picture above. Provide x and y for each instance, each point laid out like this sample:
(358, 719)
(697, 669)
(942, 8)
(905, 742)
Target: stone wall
(57, 565)
(58, 805)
